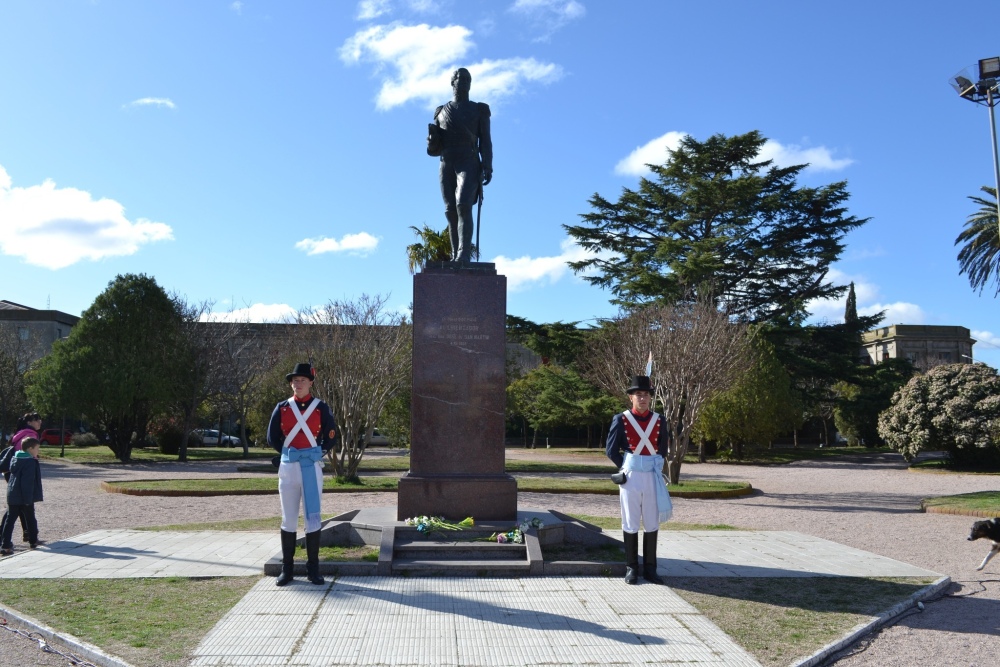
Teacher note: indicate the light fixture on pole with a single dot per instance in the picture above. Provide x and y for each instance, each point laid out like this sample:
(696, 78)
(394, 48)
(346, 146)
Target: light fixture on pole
(984, 91)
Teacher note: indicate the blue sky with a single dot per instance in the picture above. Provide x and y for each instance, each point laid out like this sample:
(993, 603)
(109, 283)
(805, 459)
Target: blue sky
(270, 155)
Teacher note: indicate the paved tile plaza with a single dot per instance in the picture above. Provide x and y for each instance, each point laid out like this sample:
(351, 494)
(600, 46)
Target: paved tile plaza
(456, 621)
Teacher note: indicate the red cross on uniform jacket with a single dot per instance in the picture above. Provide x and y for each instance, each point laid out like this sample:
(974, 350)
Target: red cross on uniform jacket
(633, 437)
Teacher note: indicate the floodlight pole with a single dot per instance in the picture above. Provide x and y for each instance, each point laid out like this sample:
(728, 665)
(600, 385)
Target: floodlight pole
(996, 159)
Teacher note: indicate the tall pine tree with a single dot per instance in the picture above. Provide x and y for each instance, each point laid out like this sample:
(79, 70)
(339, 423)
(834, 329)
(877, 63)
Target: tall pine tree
(717, 221)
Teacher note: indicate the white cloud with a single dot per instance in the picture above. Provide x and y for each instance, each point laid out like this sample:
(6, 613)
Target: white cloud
(237, 7)
(416, 62)
(372, 9)
(523, 272)
(153, 102)
(258, 312)
(869, 303)
(654, 152)
(899, 312)
(362, 244)
(987, 339)
(657, 151)
(549, 15)
(819, 158)
(57, 227)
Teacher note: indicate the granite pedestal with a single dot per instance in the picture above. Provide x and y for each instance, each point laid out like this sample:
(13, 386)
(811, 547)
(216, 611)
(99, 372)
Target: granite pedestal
(458, 397)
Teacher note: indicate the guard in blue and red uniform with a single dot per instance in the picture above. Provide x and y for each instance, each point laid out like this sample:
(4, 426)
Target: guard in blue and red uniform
(637, 444)
(302, 430)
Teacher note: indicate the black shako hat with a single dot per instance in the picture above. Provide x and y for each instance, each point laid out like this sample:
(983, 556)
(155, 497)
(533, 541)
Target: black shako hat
(639, 383)
(303, 370)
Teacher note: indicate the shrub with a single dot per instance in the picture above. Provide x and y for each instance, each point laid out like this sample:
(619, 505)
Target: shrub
(84, 440)
(954, 407)
(169, 439)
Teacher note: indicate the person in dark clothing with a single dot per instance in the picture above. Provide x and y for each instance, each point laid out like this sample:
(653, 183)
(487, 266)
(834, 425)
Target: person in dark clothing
(637, 443)
(28, 426)
(23, 490)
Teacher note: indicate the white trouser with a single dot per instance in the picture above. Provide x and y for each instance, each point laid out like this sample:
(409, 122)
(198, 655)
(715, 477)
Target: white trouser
(292, 498)
(638, 500)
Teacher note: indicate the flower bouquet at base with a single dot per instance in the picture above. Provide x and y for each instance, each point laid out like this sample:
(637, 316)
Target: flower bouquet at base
(516, 535)
(427, 524)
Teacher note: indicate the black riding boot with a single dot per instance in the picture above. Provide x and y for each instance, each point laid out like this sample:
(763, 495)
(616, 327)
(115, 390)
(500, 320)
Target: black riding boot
(631, 557)
(649, 558)
(287, 558)
(312, 558)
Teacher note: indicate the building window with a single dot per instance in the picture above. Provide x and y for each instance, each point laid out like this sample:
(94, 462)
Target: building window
(911, 357)
(22, 333)
(945, 357)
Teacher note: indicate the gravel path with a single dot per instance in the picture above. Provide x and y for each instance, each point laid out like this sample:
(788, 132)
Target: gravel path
(870, 503)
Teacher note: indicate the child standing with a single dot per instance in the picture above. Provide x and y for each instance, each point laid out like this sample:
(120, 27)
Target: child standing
(23, 490)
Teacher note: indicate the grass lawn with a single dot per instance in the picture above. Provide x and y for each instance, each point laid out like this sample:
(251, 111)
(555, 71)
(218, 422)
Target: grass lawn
(779, 620)
(103, 454)
(144, 621)
(987, 501)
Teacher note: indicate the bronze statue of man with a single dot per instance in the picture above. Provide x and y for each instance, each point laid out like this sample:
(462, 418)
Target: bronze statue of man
(466, 152)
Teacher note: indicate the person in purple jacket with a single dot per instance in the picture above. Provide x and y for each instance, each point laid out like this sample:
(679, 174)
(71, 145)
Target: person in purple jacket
(28, 426)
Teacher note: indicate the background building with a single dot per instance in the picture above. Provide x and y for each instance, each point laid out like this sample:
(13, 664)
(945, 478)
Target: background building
(925, 346)
(37, 329)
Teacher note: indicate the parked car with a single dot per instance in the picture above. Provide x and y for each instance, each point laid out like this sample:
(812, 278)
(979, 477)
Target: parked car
(378, 438)
(54, 436)
(210, 437)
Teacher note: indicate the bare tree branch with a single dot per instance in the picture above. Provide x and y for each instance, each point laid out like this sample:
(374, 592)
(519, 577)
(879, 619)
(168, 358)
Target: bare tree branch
(697, 352)
(362, 356)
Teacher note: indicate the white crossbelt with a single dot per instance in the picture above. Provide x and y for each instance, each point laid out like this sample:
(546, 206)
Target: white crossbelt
(644, 441)
(300, 419)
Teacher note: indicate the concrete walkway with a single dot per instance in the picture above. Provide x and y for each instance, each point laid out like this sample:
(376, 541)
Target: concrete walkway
(455, 621)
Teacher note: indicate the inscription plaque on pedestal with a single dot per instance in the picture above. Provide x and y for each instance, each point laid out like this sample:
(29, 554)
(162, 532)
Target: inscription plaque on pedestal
(458, 396)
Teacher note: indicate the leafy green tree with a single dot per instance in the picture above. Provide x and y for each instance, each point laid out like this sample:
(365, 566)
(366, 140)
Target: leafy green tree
(978, 257)
(817, 357)
(851, 308)
(716, 221)
(122, 364)
(550, 397)
(431, 246)
(558, 342)
(955, 407)
(761, 405)
(394, 423)
(860, 402)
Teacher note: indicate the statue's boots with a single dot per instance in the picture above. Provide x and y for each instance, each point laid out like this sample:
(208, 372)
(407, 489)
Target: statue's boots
(287, 558)
(312, 558)
(649, 558)
(631, 557)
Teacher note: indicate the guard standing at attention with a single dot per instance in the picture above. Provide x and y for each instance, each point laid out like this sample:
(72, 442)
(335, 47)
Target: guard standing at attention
(302, 430)
(637, 444)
